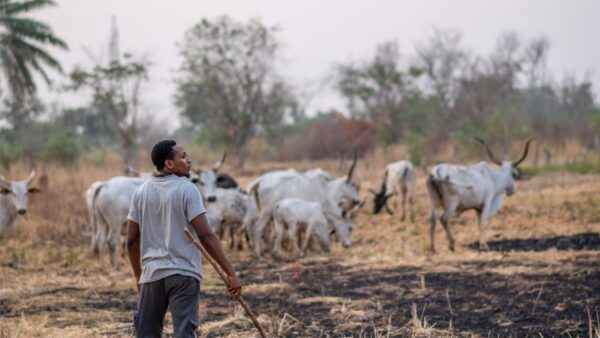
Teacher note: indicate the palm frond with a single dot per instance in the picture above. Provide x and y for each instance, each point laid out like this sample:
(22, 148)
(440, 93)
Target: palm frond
(29, 51)
(11, 8)
(32, 29)
(36, 65)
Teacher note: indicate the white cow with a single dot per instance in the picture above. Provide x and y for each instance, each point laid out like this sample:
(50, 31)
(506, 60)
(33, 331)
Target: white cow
(399, 180)
(13, 202)
(274, 186)
(236, 211)
(111, 206)
(342, 189)
(479, 187)
(298, 214)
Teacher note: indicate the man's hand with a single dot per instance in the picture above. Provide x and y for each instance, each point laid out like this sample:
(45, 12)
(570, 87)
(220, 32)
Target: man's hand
(233, 286)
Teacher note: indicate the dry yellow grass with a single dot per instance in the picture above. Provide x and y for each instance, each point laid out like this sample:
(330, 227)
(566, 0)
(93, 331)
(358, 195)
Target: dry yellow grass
(385, 285)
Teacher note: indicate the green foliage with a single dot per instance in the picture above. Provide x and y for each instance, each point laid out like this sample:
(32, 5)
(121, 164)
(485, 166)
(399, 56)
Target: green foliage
(22, 43)
(212, 137)
(9, 154)
(229, 84)
(416, 144)
(62, 146)
(576, 167)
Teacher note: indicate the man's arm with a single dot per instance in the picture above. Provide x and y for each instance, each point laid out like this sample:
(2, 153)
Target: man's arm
(133, 249)
(212, 244)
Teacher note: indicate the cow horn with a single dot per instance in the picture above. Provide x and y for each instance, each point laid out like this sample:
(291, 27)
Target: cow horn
(516, 163)
(218, 165)
(31, 176)
(489, 152)
(352, 167)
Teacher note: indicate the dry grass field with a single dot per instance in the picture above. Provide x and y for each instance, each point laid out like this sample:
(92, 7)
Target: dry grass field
(540, 278)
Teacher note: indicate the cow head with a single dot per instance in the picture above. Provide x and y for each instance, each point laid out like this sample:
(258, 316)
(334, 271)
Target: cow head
(344, 190)
(18, 191)
(207, 180)
(509, 171)
(380, 199)
(342, 227)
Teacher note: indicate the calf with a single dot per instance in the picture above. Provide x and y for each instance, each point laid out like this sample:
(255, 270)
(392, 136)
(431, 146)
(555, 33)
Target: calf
(297, 213)
(237, 213)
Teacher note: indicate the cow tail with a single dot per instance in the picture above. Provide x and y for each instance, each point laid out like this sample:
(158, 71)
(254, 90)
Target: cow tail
(254, 192)
(405, 172)
(434, 183)
(93, 218)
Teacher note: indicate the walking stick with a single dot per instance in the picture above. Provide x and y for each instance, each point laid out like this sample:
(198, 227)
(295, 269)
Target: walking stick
(224, 278)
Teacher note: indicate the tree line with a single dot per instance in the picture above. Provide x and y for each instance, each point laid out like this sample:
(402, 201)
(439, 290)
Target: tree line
(230, 91)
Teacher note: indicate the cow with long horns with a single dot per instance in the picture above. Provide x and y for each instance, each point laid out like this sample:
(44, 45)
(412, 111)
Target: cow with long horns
(479, 187)
(13, 202)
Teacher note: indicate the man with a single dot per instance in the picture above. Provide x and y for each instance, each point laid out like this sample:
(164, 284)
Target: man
(170, 269)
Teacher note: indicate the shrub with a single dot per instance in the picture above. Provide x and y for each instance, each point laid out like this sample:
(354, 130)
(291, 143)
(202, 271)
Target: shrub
(62, 146)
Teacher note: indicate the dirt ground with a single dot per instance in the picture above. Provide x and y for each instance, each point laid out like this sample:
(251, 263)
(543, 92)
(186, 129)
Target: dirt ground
(540, 277)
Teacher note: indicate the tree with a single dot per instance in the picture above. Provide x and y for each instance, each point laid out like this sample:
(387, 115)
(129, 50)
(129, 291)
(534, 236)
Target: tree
(444, 62)
(229, 85)
(116, 95)
(378, 90)
(22, 43)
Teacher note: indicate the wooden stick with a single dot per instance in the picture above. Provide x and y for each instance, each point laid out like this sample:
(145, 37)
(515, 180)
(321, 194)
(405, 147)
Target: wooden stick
(224, 277)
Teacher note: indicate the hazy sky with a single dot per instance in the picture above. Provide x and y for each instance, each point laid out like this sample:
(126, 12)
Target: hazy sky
(319, 34)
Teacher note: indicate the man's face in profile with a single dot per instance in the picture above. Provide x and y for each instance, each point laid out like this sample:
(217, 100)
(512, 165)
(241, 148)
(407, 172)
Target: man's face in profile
(181, 164)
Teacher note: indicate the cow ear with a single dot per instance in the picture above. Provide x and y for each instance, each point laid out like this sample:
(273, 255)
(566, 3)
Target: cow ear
(33, 190)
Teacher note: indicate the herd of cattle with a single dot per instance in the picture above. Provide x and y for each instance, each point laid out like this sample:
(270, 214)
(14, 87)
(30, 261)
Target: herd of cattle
(312, 207)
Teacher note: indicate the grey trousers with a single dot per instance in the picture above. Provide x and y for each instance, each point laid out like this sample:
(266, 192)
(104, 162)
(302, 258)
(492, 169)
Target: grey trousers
(181, 294)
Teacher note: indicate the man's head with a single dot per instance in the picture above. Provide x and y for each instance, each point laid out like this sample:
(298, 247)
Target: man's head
(167, 156)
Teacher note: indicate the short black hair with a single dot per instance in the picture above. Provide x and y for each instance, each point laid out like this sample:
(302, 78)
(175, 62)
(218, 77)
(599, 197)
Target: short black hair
(161, 152)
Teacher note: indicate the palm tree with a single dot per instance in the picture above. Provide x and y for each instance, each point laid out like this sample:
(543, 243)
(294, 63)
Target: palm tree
(22, 43)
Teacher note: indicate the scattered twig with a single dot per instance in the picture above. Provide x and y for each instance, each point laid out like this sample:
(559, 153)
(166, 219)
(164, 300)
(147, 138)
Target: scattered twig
(537, 298)
(448, 298)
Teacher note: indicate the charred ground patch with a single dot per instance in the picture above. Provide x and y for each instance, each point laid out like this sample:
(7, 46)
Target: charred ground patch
(584, 241)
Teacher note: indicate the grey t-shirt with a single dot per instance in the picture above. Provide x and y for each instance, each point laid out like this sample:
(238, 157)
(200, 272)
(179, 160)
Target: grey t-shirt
(163, 207)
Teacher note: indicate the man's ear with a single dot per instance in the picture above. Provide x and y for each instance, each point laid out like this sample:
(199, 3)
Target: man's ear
(169, 164)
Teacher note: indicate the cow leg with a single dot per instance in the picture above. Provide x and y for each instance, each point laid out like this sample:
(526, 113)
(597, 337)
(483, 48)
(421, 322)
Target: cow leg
(482, 220)
(432, 222)
(239, 234)
(114, 236)
(403, 197)
(259, 229)
(294, 235)
(232, 236)
(410, 207)
(101, 231)
(279, 230)
(445, 220)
